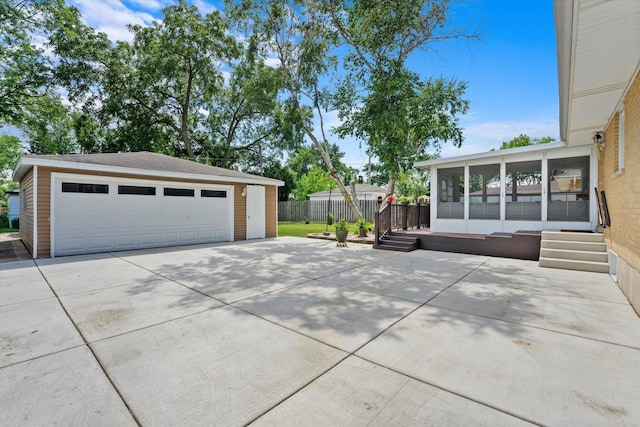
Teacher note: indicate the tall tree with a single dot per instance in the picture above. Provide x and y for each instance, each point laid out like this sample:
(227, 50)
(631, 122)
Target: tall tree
(247, 119)
(381, 101)
(25, 72)
(299, 40)
(149, 94)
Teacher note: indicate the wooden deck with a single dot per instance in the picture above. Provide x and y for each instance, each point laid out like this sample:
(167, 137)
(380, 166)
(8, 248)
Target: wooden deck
(522, 244)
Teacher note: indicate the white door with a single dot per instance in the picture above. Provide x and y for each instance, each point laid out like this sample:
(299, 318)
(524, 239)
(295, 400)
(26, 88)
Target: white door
(99, 214)
(255, 212)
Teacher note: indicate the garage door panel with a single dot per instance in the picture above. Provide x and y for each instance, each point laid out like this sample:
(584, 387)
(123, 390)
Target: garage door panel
(87, 222)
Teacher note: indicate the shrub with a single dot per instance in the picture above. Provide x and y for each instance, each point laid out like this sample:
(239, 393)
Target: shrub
(15, 223)
(4, 221)
(329, 218)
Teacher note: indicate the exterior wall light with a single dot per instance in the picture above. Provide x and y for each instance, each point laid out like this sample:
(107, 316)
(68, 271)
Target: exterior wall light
(244, 191)
(598, 139)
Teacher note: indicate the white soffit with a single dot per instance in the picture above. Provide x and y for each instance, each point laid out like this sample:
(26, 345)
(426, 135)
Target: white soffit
(605, 54)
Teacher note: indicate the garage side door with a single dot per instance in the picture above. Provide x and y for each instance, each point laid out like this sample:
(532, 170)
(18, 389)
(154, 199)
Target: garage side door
(93, 214)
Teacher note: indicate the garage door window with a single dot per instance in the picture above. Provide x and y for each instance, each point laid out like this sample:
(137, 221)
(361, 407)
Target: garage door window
(213, 193)
(76, 187)
(179, 192)
(134, 189)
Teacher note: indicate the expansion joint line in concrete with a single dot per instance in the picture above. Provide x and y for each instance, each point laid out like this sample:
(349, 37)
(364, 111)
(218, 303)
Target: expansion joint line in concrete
(86, 343)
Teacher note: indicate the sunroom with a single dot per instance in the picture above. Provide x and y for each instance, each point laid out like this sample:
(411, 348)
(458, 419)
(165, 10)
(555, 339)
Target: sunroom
(535, 188)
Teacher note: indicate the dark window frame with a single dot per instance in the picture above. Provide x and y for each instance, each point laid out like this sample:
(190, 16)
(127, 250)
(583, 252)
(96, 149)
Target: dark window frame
(85, 188)
(222, 194)
(136, 190)
(178, 192)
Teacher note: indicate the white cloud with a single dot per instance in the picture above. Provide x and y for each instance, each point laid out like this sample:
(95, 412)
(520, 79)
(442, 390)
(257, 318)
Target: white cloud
(482, 137)
(112, 17)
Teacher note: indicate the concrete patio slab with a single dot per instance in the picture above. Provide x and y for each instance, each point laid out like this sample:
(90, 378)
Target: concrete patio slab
(70, 275)
(527, 275)
(360, 393)
(22, 282)
(34, 329)
(600, 320)
(66, 388)
(237, 284)
(113, 311)
(334, 315)
(411, 279)
(253, 331)
(546, 377)
(221, 367)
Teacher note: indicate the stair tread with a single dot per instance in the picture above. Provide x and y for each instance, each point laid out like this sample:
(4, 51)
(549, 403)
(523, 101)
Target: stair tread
(574, 261)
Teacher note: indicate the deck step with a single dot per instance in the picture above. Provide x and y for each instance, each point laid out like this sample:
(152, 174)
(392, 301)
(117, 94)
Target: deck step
(398, 242)
(574, 251)
(391, 247)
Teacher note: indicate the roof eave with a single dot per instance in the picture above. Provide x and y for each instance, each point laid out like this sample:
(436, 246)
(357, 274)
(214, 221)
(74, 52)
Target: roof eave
(26, 163)
(564, 18)
(490, 154)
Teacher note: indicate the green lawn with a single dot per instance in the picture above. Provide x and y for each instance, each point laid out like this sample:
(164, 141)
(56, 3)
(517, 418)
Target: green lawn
(300, 229)
(9, 230)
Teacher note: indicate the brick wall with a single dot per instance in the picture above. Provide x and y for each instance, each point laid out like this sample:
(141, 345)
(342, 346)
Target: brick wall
(622, 187)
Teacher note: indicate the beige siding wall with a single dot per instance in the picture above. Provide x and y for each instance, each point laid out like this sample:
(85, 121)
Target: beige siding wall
(44, 204)
(240, 214)
(26, 210)
(271, 206)
(44, 212)
(622, 188)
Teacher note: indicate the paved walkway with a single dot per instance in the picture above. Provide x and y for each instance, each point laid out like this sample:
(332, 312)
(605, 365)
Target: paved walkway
(12, 248)
(297, 331)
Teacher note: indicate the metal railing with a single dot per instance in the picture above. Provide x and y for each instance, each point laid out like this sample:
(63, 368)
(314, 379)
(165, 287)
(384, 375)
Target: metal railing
(400, 217)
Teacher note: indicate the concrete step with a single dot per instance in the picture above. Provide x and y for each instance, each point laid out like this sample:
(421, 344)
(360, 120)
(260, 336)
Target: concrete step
(573, 236)
(574, 255)
(573, 245)
(598, 267)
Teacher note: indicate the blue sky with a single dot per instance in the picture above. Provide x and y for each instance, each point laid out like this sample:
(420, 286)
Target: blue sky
(511, 72)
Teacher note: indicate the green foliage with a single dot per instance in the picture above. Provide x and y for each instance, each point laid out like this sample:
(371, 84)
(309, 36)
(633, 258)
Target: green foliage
(342, 224)
(25, 74)
(10, 150)
(306, 157)
(15, 223)
(363, 223)
(313, 181)
(329, 218)
(4, 220)
(523, 140)
(381, 101)
(274, 169)
(300, 229)
(412, 184)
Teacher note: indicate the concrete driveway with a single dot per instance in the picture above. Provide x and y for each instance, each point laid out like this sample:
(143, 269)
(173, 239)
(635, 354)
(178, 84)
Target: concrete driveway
(297, 331)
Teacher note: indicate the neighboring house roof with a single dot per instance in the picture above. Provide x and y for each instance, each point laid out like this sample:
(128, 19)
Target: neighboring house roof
(522, 189)
(598, 46)
(140, 163)
(360, 189)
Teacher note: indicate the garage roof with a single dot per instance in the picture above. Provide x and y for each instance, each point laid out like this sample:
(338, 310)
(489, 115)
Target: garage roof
(139, 163)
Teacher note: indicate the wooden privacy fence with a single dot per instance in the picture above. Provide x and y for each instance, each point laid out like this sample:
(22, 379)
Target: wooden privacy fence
(316, 211)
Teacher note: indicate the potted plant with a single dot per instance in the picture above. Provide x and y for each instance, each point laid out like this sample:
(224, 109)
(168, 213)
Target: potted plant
(363, 226)
(342, 230)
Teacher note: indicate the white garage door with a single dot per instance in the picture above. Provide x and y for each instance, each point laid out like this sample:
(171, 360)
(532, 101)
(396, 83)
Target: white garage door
(95, 214)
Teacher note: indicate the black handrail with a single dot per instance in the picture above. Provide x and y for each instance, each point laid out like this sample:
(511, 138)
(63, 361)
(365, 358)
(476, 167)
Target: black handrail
(394, 217)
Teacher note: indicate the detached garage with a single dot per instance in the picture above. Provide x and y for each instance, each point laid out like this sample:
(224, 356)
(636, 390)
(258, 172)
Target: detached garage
(87, 203)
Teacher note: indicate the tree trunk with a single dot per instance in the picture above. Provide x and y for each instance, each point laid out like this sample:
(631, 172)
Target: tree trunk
(333, 173)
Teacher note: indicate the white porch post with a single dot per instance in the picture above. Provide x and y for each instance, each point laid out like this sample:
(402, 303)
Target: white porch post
(543, 190)
(503, 192)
